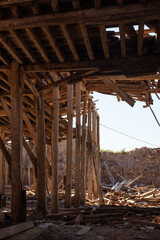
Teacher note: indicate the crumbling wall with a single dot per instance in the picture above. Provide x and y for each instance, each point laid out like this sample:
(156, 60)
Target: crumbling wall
(131, 164)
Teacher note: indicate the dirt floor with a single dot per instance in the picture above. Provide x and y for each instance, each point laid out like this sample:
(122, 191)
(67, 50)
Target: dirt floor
(125, 231)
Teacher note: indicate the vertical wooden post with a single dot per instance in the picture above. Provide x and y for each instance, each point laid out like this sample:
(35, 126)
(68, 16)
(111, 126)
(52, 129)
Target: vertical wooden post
(78, 145)
(54, 151)
(17, 141)
(90, 165)
(69, 146)
(49, 159)
(95, 190)
(2, 171)
(83, 154)
(41, 156)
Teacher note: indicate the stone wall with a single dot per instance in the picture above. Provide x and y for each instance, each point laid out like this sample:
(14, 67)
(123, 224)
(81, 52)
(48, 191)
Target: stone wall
(131, 164)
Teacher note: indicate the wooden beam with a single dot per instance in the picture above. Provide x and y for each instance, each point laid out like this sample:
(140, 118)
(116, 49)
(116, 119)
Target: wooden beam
(55, 5)
(17, 141)
(5, 107)
(76, 4)
(122, 40)
(37, 44)
(22, 45)
(90, 164)
(52, 40)
(68, 186)
(118, 91)
(103, 34)
(5, 152)
(70, 41)
(130, 66)
(129, 13)
(83, 154)
(97, 3)
(54, 151)
(140, 39)
(30, 127)
(86, 40)
(8, 45)
(4, 58)
(95, 186)
(78, 146)
(41, 156)
(2, 170)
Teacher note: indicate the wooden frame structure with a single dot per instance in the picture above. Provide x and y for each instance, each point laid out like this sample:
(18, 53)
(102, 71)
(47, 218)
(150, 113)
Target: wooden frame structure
(52, 55)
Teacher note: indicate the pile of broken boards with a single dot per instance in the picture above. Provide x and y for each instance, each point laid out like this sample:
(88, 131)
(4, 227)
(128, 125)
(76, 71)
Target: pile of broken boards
(124, 194)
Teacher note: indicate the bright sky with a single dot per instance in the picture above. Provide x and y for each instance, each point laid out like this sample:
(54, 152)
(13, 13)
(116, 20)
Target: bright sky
(137, 122)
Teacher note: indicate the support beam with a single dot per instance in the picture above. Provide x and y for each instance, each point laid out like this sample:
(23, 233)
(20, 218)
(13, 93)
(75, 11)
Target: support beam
(17, 141)
(103, 34)
(86, 40)
(78, 145)
(1, 170)
(54, 151)
(52, 40)
(122, 40)
(95, 186)
(140, 39)
(68, 186)
(55, 5)
(5, 152)
(118, 91)
(90, 164)
(70, 42)
(76, 4)
(83, 154)
(22, 45)
(37, 44)
(41, 156)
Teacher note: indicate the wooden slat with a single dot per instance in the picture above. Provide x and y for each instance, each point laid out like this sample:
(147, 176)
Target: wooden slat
(54, 151)
(140, 39)
(8, 45)
(76, 4)
(23, 46)
(37, 44)
(78, 146)
(104, 40)
(86, 40)
(118, 91)
(122, 40)
(69, 146)
(53, 43)
(70, 42)
(98, 3)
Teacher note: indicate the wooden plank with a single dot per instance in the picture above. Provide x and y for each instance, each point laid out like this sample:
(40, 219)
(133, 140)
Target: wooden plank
(23, 46)
(103, 34)
(52, 40)
(122, 40)
(86, 40)
(97, 3)
(70, 42)
(76, 4)
(140, 39)
(90, 164)
(54, 151)
(41, 156)
(37, 44)
(68, 186)
(17, 141)
(129, 13)
(78, 146)
(83, 154)
(95, 187)
(12, 230)
(8, 45)
(118, 91)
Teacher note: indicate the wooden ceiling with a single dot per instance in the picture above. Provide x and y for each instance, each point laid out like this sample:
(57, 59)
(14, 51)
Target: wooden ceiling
(112, 46)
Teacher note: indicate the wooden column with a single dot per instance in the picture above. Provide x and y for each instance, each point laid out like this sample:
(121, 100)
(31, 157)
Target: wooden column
(49, 159)
(78, 145)
(17, 141)
(41, 156)
(94, 144)
(90, 165)
(54, 151)
(69, 146)
(83, 154)
(2, 170)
